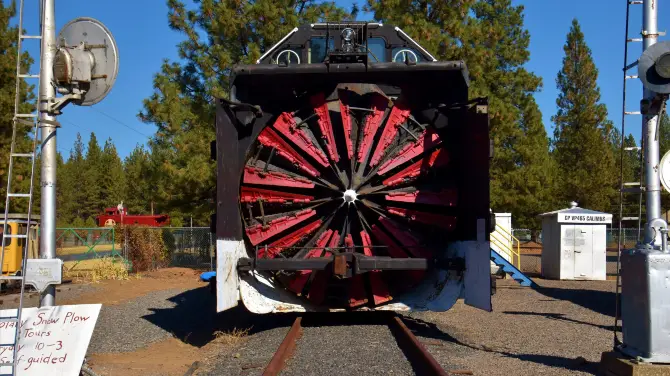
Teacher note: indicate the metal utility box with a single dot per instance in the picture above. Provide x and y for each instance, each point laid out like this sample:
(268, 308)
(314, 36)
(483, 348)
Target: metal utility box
(574, 244)
(645, 298)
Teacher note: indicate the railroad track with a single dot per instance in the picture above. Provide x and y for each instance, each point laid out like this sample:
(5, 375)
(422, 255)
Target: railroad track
(421, 360)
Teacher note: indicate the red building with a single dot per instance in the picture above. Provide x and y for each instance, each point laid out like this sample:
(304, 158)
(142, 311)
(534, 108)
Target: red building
(119, 215)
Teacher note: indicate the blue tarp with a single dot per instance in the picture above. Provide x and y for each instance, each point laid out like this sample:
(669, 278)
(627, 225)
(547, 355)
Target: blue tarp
(207, 276)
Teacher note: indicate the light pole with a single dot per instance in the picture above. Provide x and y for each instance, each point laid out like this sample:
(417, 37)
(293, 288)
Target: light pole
(650, 131)
(48, 126)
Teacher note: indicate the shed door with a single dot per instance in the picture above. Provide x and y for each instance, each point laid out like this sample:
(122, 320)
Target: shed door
(583, 251)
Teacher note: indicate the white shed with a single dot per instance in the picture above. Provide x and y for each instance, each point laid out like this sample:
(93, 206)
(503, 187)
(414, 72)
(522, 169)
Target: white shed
(574, 243)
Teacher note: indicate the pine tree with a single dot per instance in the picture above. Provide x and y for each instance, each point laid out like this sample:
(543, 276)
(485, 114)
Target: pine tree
(62, 217)
(582, 131)
(631, 173)
(90, 223)
(489, 36)
(8, 51)
(138, 174)
(93, 170)
(112, 180)
(218, 35)
(664, 135)
(664, 147)
(71, 180)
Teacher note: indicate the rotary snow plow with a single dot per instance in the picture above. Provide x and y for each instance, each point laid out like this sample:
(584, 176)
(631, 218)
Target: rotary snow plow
(352, 174)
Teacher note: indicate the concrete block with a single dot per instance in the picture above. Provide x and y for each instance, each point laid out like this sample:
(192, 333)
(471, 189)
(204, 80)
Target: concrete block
(613, 363)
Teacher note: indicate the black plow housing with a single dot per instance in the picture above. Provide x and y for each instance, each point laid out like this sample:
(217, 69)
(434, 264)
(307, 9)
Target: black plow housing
(349, 153)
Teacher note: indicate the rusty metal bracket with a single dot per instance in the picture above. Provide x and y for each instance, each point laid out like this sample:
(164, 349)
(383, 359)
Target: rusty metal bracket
(343, 264)
(234, 106)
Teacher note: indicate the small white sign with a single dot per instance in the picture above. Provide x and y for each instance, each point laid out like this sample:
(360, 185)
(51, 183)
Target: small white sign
(53, 340)
(584, 218)
(41, 273)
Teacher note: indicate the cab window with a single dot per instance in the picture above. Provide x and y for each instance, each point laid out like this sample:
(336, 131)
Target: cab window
(317, 48)
(7, 241)
(376, 50)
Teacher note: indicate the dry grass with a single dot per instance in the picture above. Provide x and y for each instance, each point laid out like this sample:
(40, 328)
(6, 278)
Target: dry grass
(97, 270)
(77, 276)
(81, 266)
(231, 337)
(80, 250)
(109, 268)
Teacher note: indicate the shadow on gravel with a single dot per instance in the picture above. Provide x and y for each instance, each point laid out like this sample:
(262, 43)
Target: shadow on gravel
(597, 301)
(346, 318)
(426, 329)
(559, 316)
(578, 364)
(194, 319)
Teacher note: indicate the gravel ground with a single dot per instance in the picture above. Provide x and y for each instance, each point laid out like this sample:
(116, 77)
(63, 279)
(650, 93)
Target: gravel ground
(125, 327)
(342, 343)
(250, 358)
(344, 350)
(365, 348)
(66, 292)
(560, 329)
(138, 322)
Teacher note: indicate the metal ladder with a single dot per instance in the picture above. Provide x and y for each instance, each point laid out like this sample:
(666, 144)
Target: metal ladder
(20, 120)
(627, 187)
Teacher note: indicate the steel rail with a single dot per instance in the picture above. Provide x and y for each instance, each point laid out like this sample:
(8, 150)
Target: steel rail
(285, 350)
(417, 354)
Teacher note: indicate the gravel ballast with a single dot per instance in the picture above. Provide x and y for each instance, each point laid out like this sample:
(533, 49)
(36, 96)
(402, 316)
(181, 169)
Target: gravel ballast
(560, 329)
(348, 350)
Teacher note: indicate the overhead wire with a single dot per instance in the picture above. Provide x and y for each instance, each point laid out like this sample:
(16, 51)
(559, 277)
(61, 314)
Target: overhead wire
(120, 122)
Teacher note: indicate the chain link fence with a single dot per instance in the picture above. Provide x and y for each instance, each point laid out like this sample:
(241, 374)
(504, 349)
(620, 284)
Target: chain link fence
(190, 246)
(523, 234)
(530, 245)
(629, 238)
(196, 246)
(82, 248)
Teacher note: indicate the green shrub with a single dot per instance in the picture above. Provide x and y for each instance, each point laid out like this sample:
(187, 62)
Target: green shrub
(145, 247)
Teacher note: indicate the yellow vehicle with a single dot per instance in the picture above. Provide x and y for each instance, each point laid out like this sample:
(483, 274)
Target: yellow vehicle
(13, 247)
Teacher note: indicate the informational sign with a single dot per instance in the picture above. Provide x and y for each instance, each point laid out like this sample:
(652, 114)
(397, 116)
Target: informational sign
(584, 218)
(53, 340)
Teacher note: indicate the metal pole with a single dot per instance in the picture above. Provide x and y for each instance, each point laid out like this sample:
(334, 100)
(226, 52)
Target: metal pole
(650, 131)
(48, 136)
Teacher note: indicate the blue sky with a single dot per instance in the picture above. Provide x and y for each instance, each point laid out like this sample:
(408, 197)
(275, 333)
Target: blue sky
(144, 40)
